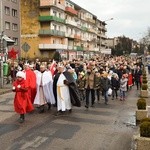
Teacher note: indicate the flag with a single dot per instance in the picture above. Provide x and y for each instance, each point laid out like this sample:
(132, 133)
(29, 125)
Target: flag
(53, 68)
(12, 54)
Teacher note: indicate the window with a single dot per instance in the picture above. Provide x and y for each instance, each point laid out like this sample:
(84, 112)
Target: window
(59, 15)
(14, 27)
(59, 28)
(54, 27)
(14, 12)
(7, 10)
(16, 41)
(55, 13)
(7, 25)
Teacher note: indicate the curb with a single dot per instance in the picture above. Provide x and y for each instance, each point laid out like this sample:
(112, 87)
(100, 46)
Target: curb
(6, 91)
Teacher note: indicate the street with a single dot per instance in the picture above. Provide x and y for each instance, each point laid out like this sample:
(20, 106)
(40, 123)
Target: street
(104, 127)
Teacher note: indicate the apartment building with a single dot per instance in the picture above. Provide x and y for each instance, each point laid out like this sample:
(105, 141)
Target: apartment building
(59, 25)
(10, 23)
(112, 42)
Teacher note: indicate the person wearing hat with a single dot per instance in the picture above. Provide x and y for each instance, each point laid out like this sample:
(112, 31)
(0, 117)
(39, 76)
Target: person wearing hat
(22, 103)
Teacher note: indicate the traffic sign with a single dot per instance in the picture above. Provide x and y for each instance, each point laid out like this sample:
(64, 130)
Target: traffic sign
(26, 47)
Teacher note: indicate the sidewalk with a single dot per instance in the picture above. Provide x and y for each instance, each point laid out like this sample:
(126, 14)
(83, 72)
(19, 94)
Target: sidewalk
(6, 89)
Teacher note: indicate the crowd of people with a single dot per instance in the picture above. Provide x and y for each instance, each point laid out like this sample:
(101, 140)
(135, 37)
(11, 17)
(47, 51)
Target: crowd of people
(68, 83)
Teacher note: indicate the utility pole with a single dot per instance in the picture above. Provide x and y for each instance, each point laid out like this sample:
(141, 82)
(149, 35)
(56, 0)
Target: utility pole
(1, 45)
(104, 22)
(1, 60)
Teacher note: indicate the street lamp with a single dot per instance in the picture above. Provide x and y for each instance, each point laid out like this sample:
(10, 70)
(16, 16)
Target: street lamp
(104, 23)
(1, 59)
(108, 20)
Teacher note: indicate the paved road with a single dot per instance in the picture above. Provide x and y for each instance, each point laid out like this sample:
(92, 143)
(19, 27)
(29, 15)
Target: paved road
(105, 127)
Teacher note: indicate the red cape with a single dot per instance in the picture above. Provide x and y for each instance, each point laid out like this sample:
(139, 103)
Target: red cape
(31, 81)
(22, 103)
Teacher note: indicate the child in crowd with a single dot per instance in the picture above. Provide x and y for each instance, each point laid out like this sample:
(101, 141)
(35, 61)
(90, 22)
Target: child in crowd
(123, 86)
(22, 103)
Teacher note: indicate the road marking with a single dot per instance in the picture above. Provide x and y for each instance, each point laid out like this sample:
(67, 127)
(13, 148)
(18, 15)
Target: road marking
(35, 143)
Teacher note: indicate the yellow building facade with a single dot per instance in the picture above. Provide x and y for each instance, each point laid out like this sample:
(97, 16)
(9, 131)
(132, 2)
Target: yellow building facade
(49, 26)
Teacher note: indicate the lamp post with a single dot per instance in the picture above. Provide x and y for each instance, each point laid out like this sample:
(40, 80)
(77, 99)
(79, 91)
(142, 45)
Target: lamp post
(1, 45)
(108, 20)
(104, 22)
(1, 60)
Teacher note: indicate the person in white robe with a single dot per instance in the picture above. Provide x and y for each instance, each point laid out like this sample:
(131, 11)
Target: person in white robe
(63, 95)
(44, 93)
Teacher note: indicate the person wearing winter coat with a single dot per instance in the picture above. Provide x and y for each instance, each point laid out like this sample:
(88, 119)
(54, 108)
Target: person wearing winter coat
(97, 85)
(89, 87)
(137, 77)
(115, 84)
(81, 85)
(123, 87)
(105, 85)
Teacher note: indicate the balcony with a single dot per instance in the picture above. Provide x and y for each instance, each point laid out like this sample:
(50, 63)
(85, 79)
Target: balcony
(44, 32)
(91, 20)
(51, 18)
(52, 46)
(70, 10)
(95, 40)
(73, 23)
(78, 48)
(104, 29)
(84, 38)
(69, 35)
(91, 30)
(77, 36)
(103, 43)
(48, 3)
(103, 36)
(96, 49)
(84, 28)
(70, 47)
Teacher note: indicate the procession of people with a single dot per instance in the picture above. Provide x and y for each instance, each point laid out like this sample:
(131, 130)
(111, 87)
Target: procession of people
(43, 85)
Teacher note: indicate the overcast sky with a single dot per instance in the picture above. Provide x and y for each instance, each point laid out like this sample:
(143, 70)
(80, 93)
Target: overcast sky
(131, 17)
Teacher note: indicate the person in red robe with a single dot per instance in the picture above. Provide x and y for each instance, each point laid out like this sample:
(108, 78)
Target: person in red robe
(22, 103)
(130, 80)
(30, 77)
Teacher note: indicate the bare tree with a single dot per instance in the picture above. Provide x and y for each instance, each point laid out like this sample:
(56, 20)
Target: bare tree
(146, 40)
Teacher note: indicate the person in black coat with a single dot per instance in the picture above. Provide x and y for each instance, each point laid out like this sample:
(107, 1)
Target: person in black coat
(105, 85)
(137, 77)
(115, 84)
(73, 91)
